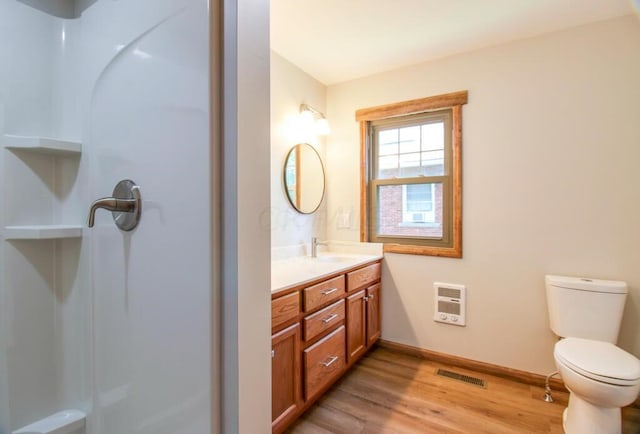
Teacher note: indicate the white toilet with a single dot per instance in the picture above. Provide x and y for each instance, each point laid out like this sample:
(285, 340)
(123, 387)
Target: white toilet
(601, 377)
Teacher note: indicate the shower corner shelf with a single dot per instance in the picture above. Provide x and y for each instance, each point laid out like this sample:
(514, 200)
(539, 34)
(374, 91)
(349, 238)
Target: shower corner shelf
(42, 145)
(64, 422)
(42, 232)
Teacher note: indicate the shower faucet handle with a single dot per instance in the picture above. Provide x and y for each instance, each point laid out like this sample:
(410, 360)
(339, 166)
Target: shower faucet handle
(125, 205)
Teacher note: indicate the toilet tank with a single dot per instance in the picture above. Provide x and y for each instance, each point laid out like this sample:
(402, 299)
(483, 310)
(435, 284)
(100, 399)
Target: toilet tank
(585, 308)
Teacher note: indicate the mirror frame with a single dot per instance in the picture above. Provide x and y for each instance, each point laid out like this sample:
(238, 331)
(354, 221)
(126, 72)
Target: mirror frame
(296, 148)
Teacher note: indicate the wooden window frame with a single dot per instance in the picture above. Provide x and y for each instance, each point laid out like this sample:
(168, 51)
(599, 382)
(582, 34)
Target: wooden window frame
(453, 101)
(444, 180)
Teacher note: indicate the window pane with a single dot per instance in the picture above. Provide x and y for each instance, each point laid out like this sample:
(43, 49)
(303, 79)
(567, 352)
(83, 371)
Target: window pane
(433, 163)
(410, 210)
(410, 165)
(389, 162)
(388, 167)
(433, 149)
(388, 142)
(419, 198)
(409, 139)
(433, 136)
(411, 151)
(410, 160)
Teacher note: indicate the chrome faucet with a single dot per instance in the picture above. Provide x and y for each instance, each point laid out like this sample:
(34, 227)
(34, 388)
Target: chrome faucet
(314, 246)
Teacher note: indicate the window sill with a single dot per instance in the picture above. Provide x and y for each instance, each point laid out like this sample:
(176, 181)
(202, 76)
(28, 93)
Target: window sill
(445, 252)
(419, 225)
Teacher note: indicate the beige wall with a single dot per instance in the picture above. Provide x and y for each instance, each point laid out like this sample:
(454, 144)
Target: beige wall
(290, 87)
(551, 149)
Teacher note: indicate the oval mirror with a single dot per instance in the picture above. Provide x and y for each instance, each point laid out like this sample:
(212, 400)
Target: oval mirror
(304, 178)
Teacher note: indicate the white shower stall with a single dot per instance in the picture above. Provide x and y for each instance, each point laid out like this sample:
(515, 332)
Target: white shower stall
(116, 326)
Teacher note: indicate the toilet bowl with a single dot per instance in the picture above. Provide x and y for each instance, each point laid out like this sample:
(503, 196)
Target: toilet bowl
(601, 379)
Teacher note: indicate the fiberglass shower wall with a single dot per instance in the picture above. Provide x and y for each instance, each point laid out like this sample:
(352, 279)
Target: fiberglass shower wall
(44, 303)
(115, 324)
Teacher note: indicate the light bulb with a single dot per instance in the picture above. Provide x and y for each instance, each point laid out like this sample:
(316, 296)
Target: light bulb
(322, 127)
(306, 117)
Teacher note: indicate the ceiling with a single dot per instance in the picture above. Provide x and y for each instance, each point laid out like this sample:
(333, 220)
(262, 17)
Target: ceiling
(339, 40)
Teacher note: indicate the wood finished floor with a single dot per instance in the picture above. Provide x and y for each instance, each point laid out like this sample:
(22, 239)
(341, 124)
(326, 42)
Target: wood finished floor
(388, 392)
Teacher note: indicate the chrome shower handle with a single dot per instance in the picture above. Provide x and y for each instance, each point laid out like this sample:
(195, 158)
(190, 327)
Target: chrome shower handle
(125, 205)
(111, 204)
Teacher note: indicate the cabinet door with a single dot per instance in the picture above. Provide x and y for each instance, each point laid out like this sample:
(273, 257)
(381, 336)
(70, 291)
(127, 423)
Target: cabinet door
(356, 325)
(373, 314)
(286, 394)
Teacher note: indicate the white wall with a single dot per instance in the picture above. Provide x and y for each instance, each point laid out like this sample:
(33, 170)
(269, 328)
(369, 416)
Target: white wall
(246, 313)
(290, 87)
(550, 185)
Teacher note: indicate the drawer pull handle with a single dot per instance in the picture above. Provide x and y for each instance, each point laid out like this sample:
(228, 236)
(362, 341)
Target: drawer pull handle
(331, 361)
(329, 291)
(330, 318)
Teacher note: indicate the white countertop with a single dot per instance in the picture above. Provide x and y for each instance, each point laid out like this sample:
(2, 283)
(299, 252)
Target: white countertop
(287, 272)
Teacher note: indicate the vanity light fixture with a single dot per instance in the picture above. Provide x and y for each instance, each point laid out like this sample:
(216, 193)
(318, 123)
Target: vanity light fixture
(309, 114)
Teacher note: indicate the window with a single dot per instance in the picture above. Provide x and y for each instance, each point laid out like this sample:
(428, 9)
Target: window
(411, 175)
(417, 203)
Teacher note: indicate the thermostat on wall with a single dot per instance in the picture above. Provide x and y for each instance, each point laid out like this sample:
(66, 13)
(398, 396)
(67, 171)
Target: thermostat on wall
(450, 303)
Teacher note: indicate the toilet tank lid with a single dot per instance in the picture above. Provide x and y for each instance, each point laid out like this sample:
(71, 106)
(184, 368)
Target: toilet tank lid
(587, 284)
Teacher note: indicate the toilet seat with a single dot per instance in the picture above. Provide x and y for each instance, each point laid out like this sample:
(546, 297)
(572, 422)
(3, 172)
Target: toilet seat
(599, 361)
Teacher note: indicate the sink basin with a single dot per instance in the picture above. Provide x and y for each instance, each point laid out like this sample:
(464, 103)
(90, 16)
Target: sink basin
(331, 258)
(299, 268)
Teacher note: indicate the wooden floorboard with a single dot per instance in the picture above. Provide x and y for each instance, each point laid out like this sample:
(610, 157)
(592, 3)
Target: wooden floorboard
(389, 392)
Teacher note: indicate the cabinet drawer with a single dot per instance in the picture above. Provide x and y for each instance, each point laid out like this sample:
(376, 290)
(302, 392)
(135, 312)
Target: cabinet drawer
(323, 362)
(323, 320)
(363, 277)
(285, 309)
(323, 293)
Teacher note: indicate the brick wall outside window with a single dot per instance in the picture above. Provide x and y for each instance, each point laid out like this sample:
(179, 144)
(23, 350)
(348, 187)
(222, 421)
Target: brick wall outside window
(390, 217)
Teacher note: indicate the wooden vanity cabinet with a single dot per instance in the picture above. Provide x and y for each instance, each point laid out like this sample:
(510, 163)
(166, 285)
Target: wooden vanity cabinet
(324, 361)
(318, 331)
(284, 310)
(286, 390)
(322, 293)
(363, 277)
(356, 325)
(363, 321)
(373, 314)
(323, 320)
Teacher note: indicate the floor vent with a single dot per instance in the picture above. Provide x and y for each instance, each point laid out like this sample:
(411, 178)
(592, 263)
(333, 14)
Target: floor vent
(461, 377)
